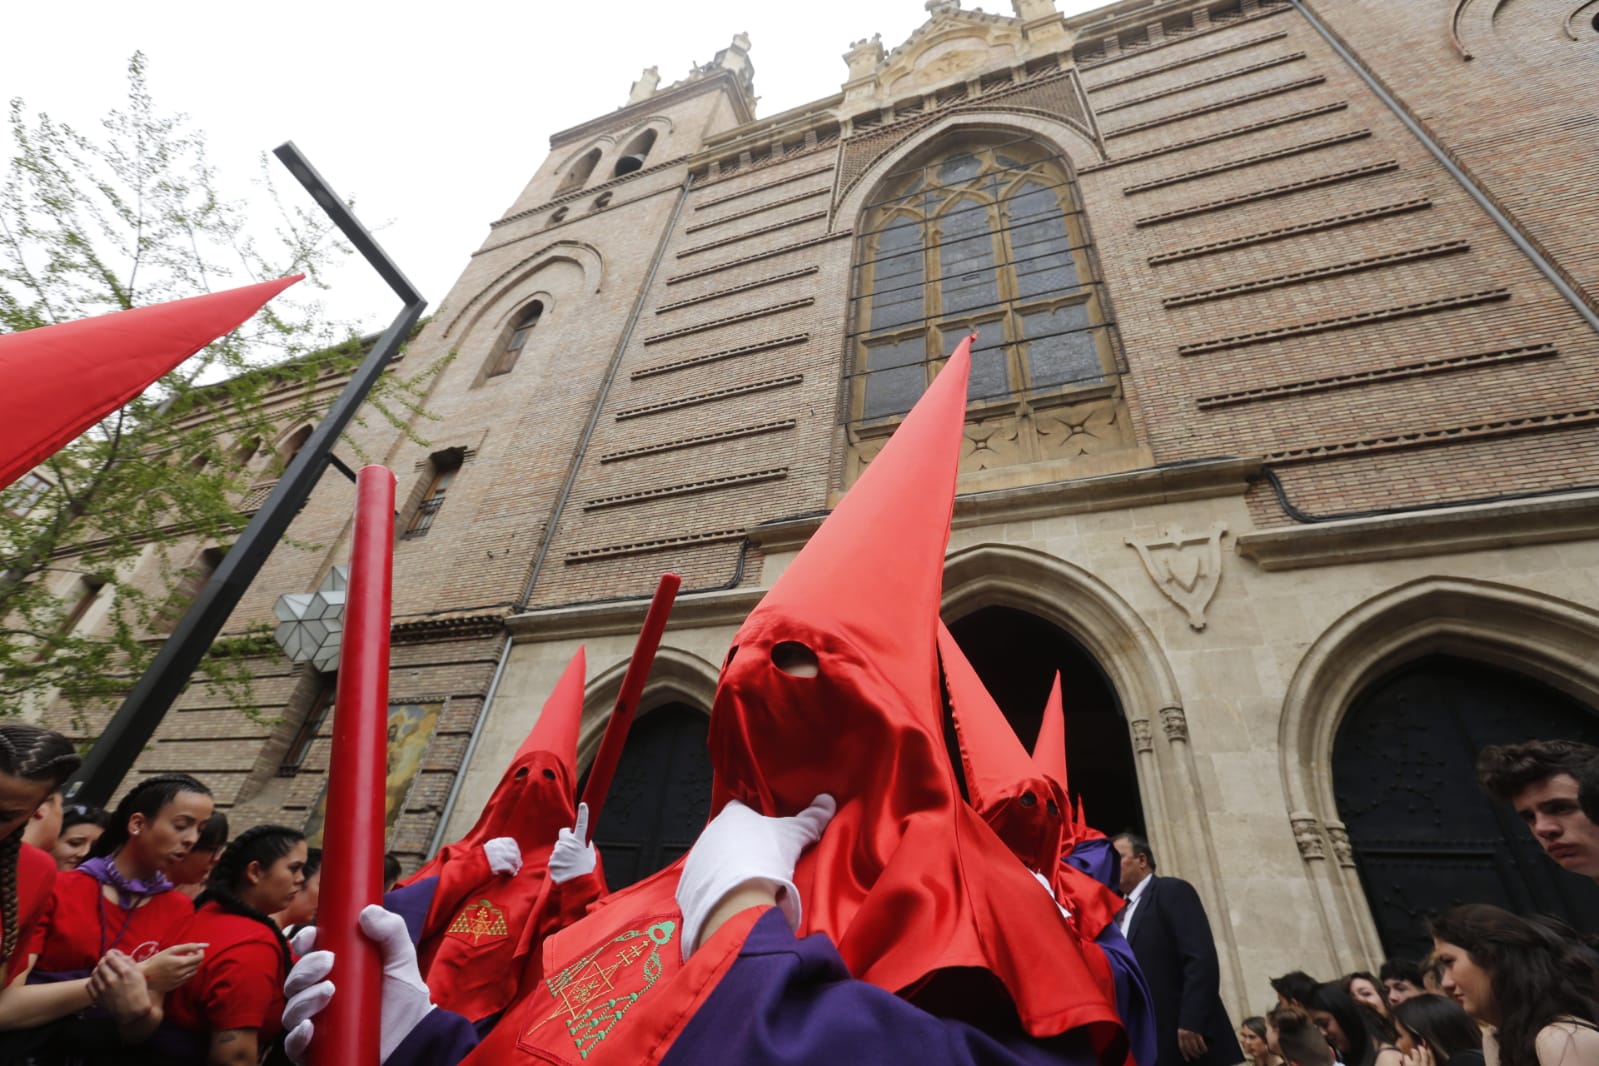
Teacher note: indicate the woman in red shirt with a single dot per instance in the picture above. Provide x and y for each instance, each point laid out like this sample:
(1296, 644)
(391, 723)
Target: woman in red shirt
(33, 764)
(120, 897)
(233, 1007)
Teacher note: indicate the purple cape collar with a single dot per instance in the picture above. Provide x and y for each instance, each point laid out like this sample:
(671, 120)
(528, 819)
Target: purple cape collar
(129, 890)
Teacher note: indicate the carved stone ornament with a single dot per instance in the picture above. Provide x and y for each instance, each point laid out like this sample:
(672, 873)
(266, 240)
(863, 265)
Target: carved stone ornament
(1343, 850)
(1175, 723)
(1307, 834)
(1143, 735)
(1184, 566)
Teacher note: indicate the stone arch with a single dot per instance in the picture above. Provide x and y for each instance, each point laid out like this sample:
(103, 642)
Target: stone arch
(1070, 597)
(1074, 145)
(578, 167)
(1516, 629)
(502, 291)
(677, 677)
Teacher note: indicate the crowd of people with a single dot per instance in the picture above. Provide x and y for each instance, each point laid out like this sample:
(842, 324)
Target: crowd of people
(146, 933)
(1498, 987)
(888, 876)
(143, 933)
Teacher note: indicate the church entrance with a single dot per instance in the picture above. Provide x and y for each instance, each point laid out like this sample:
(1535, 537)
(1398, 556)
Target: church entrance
(1425, 837)
(660, 797)
(1016, 654)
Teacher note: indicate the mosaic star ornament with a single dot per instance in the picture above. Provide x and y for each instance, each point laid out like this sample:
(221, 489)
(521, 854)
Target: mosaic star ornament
(311, 624)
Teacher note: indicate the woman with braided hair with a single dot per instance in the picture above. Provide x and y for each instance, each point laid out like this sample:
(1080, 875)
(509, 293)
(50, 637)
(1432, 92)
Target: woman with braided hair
(120, 897)
(33, 764)
(233, 1006)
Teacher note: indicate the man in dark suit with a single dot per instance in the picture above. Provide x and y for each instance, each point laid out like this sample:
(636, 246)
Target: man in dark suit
(1165, 924)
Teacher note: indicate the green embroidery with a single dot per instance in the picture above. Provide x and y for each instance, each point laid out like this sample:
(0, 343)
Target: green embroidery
(580, 987)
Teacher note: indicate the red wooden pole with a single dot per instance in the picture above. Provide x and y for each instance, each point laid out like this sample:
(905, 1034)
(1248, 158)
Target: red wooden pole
(352, 874)
(638, 671)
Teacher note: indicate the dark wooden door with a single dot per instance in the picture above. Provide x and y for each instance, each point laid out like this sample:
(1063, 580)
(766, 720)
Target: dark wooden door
(660, 796)
(1425, 836)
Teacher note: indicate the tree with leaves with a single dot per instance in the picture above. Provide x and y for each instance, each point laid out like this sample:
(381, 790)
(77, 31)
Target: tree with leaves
(103, 545)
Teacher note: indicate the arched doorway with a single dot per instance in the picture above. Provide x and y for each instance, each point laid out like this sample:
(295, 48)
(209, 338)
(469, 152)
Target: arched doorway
(1424, 835)
(660, 796)
(1017, 654)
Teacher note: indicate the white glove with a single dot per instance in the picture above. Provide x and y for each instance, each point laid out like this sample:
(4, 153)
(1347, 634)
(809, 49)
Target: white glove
(573, 855)
(1064, 913)
(740, 846)
(405, 996)
(505, 856)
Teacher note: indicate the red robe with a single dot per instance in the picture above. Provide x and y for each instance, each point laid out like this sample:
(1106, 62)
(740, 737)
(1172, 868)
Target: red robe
(481, 927)
(919, 894)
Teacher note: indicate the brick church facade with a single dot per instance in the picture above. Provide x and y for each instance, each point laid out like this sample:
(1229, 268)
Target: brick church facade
(1283, 441)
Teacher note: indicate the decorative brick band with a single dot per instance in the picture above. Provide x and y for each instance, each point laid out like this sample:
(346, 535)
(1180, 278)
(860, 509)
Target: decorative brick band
(1190, 61)
(1429, 438)
(705, 438)
(717, 323)
(690, 488)
(709, 397)
(1337, 177)
(1284, 232)
(716, 357)
(758, 283)
(1381, 374)
(1248, 161)
(1218, 24)
(1213, 138)
(1226, 75)
(1362, 318)
(1334, 270)
(752, 190)
(644, 547)
(747, 212)
(756, 232)
(1220, 105)
(756, 257)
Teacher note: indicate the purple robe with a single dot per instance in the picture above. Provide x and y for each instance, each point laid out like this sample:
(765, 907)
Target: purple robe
(789, 1002)
(1098, 859)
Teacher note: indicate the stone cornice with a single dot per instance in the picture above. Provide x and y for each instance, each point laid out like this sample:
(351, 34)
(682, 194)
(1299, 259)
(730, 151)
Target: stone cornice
(1201, 480)
(1444, 531)
(724, 79)
(696, 610)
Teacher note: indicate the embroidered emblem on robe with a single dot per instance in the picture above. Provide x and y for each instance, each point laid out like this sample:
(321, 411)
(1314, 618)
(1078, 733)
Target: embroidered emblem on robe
(591, 997)
(478, 922)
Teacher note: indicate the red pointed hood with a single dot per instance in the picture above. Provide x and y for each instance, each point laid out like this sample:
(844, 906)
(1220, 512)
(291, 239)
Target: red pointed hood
(863, 597)
(57, 381)
(1003, 785)
(1080, 881)
(914, 888)
(536, 796)
(481, 922)
(1049, 750)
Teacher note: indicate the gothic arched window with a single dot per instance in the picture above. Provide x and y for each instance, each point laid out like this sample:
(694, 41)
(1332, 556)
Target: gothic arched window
(985, 236)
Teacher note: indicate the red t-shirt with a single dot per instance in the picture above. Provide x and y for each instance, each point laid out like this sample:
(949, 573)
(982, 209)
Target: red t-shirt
(80, 925)
(240, 983)
(36, 880)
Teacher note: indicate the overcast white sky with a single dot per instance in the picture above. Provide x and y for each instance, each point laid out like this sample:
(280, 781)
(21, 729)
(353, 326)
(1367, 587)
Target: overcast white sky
(433, 117)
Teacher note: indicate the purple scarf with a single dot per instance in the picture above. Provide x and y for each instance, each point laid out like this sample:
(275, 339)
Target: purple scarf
(129, 890)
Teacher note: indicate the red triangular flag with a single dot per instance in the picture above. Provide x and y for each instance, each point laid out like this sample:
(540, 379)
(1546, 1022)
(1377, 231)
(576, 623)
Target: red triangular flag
(57, 381)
